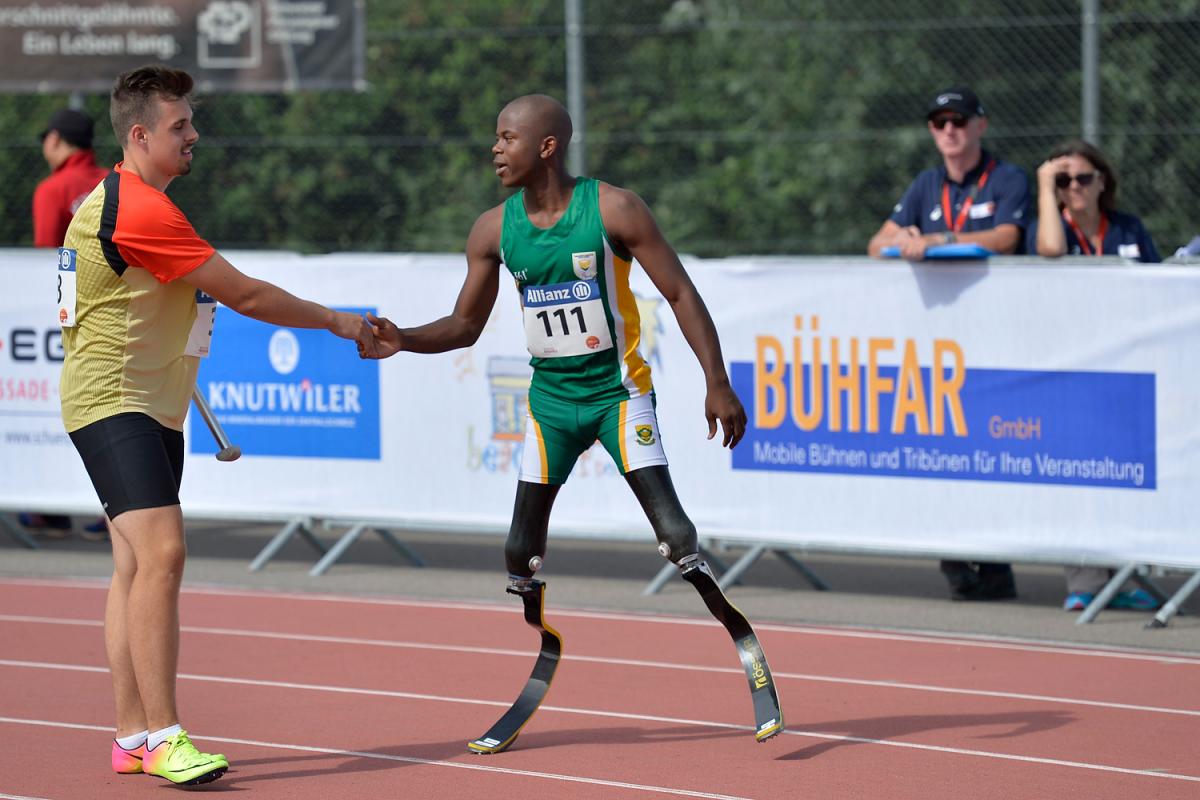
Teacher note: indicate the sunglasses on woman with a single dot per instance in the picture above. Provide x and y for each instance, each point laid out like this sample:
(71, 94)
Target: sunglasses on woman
(957, 120)
(1062, 180)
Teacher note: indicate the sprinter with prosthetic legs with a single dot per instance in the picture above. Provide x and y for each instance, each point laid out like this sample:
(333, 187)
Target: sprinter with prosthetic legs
(569, 244)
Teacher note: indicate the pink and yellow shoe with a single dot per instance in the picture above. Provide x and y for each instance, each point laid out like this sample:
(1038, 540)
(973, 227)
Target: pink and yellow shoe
(127, 762)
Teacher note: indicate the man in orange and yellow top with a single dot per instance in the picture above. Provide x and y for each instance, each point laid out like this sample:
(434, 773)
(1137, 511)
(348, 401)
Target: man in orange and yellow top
(132, 337)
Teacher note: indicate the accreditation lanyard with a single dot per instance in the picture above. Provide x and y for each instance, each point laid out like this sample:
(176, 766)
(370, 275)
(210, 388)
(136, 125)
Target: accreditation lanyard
(1085, 246)
(962, 213)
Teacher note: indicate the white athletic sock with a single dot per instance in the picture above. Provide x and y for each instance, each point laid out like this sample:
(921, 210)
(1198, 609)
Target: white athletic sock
(133, 741)
(158, 737)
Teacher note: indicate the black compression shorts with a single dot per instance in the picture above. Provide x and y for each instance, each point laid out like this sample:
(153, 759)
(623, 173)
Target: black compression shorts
(133, 461)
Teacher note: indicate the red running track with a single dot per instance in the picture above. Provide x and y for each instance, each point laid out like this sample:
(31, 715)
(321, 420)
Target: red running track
(332, 697)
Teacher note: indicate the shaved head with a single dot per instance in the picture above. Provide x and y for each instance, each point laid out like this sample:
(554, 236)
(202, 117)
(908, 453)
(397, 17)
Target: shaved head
(544, 117)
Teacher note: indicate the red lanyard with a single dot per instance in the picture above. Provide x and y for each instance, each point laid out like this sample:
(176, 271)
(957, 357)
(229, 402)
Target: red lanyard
(1085, 246)
(962, 214)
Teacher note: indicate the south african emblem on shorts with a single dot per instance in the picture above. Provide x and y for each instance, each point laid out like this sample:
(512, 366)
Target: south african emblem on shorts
(584, 265)
(644, 433)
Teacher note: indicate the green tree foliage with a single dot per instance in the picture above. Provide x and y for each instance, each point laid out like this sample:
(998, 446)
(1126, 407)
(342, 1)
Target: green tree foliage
(777, 126)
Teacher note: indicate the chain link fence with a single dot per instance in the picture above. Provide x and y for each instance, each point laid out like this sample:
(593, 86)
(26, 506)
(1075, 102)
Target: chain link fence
(749, 127)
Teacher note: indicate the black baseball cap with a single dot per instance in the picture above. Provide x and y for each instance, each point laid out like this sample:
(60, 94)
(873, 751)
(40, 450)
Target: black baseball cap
(956, 98)
(75, 127)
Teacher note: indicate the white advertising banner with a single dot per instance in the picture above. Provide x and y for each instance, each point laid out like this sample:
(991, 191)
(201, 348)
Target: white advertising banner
(1019, 409)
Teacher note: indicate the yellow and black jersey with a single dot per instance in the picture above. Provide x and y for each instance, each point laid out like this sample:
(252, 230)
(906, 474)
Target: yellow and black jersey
(132, 313)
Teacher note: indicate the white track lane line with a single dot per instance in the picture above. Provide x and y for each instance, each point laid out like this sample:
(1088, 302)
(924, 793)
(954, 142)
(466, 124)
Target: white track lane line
(622, 715)
(624, 662)
(19, 797)
(553, 776)
(952, 639)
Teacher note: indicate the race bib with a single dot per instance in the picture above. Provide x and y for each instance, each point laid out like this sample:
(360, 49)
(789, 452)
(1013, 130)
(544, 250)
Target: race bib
(565, 319)
(66, 287)
(200, 336)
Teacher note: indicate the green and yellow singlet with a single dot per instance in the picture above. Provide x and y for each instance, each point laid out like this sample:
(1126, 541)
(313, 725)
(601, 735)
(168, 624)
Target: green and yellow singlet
(581, 318)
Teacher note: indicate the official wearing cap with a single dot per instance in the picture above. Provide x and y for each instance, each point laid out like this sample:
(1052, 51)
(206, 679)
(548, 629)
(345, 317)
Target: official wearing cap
(972, 197)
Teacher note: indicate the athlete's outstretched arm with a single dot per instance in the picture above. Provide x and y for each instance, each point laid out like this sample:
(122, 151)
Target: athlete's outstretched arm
(462, 326)
(628, 220)
(267, 302)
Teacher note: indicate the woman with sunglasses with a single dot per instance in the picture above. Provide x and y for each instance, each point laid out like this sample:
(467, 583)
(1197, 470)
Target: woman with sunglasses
(1077, 213)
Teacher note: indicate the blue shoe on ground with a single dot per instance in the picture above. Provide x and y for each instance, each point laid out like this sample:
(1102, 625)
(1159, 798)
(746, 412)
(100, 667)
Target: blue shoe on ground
(57, 522)
(51, 526)
(1137, 599)
(95, 531)
(1078, 601)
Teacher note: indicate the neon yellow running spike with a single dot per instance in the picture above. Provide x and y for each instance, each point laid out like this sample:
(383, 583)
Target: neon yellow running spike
(178, 760)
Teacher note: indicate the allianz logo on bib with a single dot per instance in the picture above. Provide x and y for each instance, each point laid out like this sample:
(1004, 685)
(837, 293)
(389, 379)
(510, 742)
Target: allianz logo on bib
(283, 392)
(560, 293)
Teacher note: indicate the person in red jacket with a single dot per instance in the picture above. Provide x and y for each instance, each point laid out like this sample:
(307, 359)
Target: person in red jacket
(67, 148)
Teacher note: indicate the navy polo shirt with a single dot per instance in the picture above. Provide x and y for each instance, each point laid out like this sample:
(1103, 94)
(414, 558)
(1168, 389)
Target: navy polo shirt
(1126, 236)
(1004, 199)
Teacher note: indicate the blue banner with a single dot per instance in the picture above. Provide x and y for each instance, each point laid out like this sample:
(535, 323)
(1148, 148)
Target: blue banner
(1020, 426)
(288, 392)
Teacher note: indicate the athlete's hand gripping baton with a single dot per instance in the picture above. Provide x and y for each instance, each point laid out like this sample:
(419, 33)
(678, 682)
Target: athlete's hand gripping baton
(227, 452)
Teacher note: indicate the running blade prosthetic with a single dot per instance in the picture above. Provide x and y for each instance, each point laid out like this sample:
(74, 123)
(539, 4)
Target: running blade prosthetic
(504, 732)
(768, 717)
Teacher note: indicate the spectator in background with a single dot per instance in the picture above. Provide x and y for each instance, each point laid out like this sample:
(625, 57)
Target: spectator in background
(67, 148)
(1077, 215)
(1084, 583)
(972, 197)
(1077, 209)
(1189, 250)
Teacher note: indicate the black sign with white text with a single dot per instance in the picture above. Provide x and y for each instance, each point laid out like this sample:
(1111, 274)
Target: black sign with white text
(226, 45)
